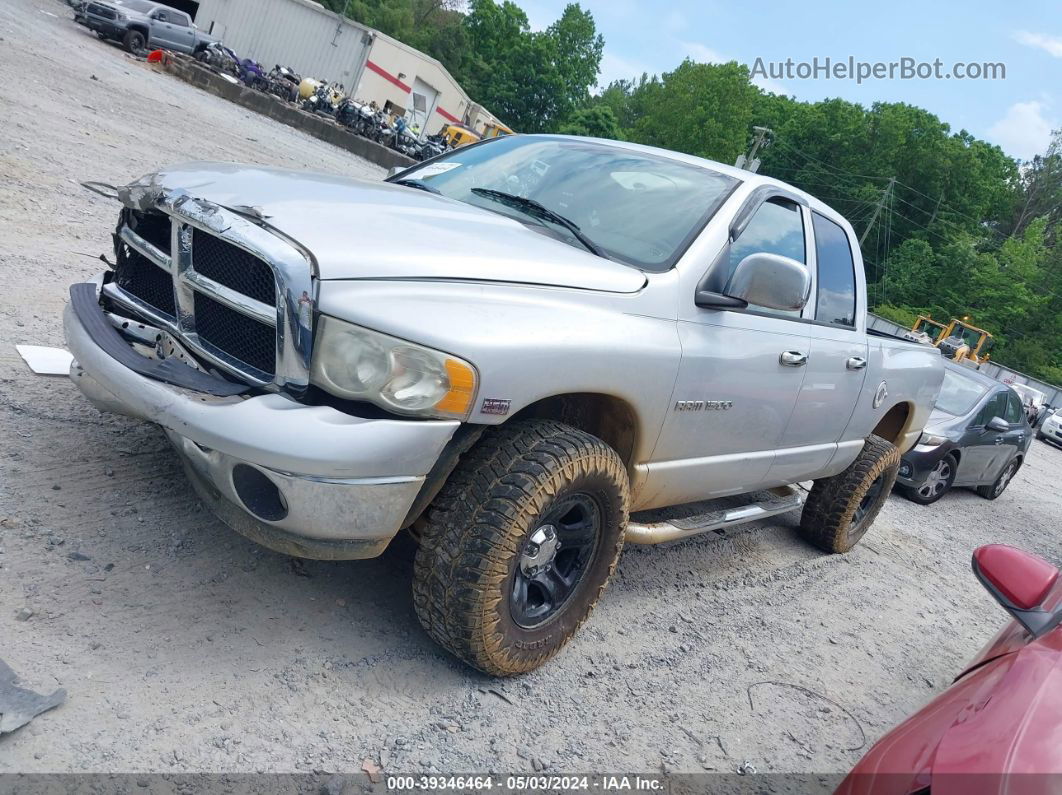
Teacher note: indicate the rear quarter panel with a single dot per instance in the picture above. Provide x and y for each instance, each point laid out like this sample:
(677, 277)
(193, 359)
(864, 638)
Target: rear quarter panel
(911, 374)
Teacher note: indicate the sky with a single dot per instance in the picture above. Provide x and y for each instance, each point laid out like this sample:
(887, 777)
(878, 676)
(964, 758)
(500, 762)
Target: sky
(1018, 112)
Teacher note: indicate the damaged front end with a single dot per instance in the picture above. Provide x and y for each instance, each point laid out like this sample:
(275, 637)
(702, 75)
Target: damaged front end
(204, 325)
(215, 282)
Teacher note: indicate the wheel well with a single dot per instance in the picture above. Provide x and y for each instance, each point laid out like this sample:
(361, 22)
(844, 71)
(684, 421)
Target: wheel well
(140, 29)
(893, 425)
(609, 418)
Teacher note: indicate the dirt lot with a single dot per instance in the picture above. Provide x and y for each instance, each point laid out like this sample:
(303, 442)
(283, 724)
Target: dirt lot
(184, 647)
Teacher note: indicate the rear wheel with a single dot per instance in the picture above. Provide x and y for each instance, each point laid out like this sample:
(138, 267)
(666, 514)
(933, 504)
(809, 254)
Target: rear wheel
(994, 490)
(520, 544)
(840, 509)
(936, 484)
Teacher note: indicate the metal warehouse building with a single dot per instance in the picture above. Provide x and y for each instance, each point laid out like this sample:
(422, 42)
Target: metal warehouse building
(318, 43)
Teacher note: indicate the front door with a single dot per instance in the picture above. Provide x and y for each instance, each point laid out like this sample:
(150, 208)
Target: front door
(738, 381)
(983, 449)
(161, 31)
(1014, 439)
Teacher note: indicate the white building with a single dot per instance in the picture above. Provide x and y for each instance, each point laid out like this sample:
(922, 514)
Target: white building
(318, 43)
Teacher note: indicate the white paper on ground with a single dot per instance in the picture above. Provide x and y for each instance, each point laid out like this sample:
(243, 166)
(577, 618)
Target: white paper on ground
(46, 361)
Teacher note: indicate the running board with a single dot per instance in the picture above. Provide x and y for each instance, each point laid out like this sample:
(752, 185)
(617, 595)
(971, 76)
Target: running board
(678, 527)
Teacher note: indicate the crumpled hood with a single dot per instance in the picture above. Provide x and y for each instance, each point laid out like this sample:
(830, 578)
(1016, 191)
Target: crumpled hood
(357, 229)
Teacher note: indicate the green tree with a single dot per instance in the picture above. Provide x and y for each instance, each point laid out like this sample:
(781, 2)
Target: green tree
(703, 109)
(597, 121)
(531, 80)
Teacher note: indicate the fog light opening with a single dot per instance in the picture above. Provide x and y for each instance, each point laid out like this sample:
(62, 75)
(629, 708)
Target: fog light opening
(258, 493)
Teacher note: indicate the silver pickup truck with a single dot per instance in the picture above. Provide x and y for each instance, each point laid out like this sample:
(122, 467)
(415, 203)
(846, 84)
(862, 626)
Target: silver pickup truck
(141, 24)
(526, 351)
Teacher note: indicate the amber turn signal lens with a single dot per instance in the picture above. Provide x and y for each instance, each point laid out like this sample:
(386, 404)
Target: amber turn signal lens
(462, 388)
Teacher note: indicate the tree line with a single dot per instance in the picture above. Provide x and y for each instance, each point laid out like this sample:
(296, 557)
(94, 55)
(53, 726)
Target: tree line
(951, 225)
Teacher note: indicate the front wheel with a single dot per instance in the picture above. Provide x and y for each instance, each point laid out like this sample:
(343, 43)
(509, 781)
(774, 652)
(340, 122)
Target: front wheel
(134, 41)
(936, 484)
(840, 509)
(520, 544)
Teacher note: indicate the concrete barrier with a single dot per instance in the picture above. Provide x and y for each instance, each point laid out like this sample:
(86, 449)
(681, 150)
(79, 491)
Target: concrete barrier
(284, 112)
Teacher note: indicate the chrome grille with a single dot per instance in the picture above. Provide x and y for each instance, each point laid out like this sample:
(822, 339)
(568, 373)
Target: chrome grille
(234, 334)
(136, 274)
(233, 267)
(153, 227)
(232, 291)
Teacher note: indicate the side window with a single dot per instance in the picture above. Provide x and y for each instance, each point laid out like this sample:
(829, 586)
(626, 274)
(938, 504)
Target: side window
(836, 292)
(180, 19)
(1015, 411)
(161, 16)
(995, 407)
(776, 228)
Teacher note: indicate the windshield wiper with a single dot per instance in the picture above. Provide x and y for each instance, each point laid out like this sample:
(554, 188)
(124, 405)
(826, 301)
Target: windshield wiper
(417, 183)
(536, 210)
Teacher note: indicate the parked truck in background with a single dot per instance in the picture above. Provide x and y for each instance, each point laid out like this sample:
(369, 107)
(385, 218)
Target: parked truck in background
(141, 24)
(526, 351)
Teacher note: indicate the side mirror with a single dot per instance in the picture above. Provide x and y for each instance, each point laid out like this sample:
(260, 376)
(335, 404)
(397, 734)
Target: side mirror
(395, 170)
(1020, 582)
(767, 280)
(998, 424)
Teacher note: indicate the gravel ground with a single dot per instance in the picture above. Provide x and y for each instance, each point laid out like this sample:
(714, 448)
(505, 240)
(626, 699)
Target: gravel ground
(184, 647)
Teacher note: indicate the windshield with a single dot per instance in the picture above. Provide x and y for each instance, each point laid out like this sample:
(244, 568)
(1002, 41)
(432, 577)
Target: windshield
(141, 6)
(968, 335)
(959, 393)
(929, 327)
(639, 209)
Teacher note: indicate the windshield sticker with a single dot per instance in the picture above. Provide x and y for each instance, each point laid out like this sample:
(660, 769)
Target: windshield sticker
(434, 169)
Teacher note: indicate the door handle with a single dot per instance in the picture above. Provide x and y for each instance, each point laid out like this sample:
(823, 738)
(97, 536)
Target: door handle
(999, 440)
(856, 363)
(793, 359)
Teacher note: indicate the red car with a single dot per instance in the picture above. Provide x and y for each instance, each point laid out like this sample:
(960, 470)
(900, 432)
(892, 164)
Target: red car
(998, 728)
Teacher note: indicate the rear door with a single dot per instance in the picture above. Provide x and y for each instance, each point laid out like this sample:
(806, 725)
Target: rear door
(837, 358)
(182, 33)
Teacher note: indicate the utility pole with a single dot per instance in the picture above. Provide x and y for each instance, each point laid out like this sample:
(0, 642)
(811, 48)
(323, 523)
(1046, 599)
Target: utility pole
(749, 161)
(936, 210)
(885, 194)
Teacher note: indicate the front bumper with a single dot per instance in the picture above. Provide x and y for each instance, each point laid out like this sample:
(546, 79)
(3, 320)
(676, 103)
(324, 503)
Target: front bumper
(1050, 433)
(309, 481)
(105, 26)
(918, 462)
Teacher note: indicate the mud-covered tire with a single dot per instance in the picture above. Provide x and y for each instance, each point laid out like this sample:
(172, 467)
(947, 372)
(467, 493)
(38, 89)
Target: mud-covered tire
(134, 41)
(840, 509)
(479, 529)
(999, 485)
